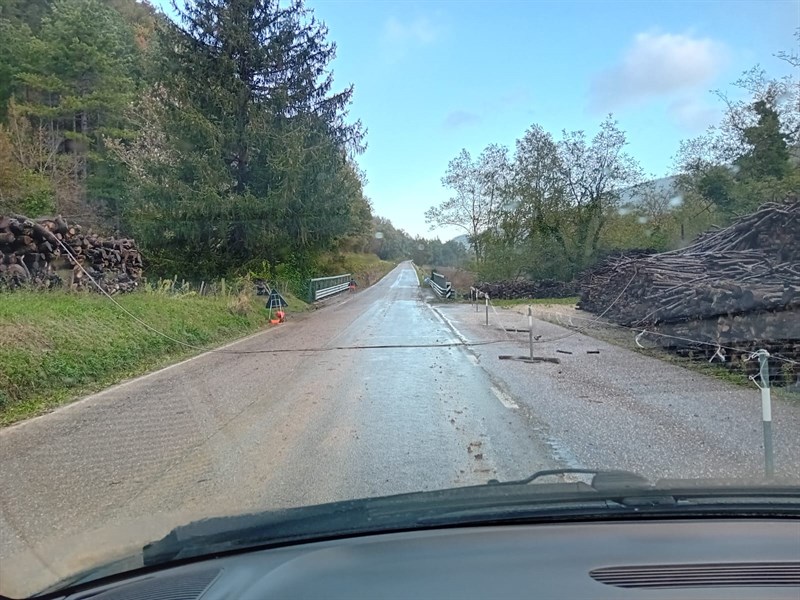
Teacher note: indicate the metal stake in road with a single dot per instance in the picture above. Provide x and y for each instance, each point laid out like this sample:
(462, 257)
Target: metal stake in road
(487, 309)
(766, 409)
(530, 330)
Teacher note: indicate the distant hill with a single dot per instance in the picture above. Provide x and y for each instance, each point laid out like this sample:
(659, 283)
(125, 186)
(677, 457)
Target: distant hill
(665, 186)
(463, 240)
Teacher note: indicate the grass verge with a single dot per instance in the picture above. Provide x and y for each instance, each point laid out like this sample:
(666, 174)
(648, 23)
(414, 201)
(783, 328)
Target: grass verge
(421, 275)
(526, 301)
(365, 268)
(58, 346)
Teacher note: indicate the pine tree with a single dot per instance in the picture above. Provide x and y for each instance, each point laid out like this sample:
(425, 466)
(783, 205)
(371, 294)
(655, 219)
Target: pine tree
(768, 154)
(261, 145)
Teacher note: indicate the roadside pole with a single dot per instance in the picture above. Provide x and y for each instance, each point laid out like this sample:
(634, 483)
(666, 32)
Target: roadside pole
(487, 309)
(530, 331)
(766, 409)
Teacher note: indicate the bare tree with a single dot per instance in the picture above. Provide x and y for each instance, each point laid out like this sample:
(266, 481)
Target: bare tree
(478, 191)
(592, 174)
(536, 191)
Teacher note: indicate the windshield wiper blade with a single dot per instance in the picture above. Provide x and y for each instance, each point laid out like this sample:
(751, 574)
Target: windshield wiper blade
(383, 513)
(347, 517)
(609, 491)
(601, 480)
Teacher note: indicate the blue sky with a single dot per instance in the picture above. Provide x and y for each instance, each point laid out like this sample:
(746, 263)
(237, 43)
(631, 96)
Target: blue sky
(434, 77)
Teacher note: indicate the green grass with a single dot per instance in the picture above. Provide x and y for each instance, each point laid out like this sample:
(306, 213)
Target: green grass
(526, 301)
(294, 305)
(365, 268)
(421, 275)
(57, 346)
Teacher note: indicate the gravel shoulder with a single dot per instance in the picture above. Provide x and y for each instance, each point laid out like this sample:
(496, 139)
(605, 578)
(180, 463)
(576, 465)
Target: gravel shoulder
(605, 406)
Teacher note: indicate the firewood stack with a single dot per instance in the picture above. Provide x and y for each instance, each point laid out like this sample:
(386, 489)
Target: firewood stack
(543, 288)
(31, 254)
(739, 285)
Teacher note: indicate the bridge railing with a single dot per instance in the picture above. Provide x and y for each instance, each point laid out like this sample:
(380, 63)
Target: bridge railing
(440, 285)
(322, 287)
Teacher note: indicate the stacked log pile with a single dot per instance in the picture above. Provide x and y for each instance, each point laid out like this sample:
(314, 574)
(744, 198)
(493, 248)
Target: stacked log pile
(543, 288)
(734, 286)
(31, 253)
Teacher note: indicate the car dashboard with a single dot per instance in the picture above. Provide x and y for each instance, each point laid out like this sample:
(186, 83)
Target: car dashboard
(659, 559)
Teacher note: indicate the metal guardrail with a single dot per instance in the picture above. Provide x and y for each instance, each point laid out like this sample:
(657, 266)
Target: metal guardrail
(440, 285)
(322, 287)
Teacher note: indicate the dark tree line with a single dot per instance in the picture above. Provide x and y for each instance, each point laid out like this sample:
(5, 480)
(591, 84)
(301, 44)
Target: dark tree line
(394, 244)
(219, 141)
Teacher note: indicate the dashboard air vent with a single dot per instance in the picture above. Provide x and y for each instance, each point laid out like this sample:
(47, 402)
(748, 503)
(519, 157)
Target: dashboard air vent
(178, 586)
(767, 574)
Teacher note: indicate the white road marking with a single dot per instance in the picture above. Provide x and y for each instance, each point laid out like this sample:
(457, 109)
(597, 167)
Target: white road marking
(447, 322)
(504, 398)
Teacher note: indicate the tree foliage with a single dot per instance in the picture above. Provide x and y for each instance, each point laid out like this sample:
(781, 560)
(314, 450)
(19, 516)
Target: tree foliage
(217, 140)
(565, 202)
(752, 155)
(478, 187)
(256, 162)
(543, 212)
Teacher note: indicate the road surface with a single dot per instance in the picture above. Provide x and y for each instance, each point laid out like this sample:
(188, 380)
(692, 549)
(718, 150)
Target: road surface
(312, 411)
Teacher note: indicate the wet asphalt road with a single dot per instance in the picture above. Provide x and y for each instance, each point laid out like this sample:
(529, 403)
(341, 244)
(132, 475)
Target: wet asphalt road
(224, 432)
(329, 418)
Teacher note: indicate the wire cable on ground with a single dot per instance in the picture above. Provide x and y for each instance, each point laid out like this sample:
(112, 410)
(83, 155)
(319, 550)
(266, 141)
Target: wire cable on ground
(266, 350)
(597, 318)
(594, 320)
(640, 332)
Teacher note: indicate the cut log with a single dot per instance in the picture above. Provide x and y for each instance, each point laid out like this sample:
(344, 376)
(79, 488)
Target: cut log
(31, 247)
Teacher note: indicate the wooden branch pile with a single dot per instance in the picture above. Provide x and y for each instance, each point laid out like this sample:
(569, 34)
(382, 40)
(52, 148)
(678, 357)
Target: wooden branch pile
(734, 286)
(753, 265)
(31, 254)
(543, 288)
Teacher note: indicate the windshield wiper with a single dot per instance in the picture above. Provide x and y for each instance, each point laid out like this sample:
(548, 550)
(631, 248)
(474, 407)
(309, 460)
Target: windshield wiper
(602, 479)
(403, 511)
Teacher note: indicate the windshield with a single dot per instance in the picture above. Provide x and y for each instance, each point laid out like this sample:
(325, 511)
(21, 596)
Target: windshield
(260, 255)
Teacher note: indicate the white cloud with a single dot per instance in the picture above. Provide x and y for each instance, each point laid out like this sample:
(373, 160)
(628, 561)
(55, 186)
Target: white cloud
(693, 114)
(456, 119)
(657, 64)
(399, 37)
